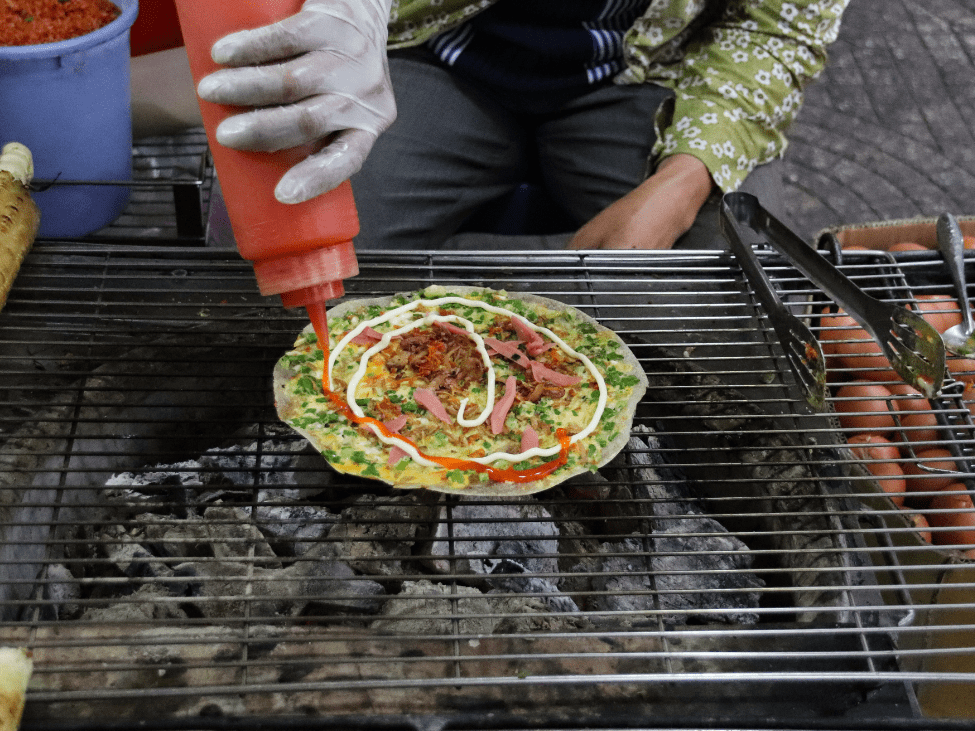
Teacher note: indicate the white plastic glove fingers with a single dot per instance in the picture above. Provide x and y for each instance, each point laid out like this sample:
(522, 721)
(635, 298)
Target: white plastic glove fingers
(366, 106)
(278, 128)
(326, 83)
(283, 83)
(319, 24)
(321, 172)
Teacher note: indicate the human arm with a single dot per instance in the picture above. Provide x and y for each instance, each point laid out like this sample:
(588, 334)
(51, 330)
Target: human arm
(738, 83)
(319, 77)
(655, 213)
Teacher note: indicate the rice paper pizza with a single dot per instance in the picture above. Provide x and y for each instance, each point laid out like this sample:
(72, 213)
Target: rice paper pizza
(462, 390)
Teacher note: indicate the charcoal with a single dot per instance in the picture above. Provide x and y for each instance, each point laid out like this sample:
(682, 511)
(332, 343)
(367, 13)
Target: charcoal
(625, 579)
(278, 494)
(544, 590)
(172, 538)
(335, 588)
(221, 589)
(571, 509)
(148, 603)
(187, 538)
(480, 534)
(218, 475)
(801, 522)
(528, 614)
(163, 482)
(427, 608)
(233, 536)
(705, 581)
(133, 559)
(693, 565)
(240, 464)
(186, 473)
(505, 544)
(638, 582)
(375, 537)
(62, 591)
(293, 529)
(803, 529)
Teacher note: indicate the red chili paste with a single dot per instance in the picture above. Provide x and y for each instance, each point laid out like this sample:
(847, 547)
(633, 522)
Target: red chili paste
(29, 22)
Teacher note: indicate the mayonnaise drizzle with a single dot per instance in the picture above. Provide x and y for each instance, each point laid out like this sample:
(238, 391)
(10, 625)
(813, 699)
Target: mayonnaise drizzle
(401, 442)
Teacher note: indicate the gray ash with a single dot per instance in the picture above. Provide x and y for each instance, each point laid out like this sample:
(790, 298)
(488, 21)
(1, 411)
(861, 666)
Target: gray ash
(243, 531)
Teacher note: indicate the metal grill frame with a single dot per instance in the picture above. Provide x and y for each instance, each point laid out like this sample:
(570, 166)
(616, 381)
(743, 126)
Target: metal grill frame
(170, 193)
(74, 309)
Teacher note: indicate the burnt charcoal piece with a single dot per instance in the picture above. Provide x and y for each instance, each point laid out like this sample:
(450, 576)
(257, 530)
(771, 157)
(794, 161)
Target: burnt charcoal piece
(689, 567)
(504, 545)
(224, 589)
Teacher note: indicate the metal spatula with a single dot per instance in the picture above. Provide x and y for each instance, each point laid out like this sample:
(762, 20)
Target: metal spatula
(913, 347)
(802, 349)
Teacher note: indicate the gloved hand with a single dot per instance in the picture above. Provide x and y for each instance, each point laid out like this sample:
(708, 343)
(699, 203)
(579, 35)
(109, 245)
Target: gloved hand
(320, 75)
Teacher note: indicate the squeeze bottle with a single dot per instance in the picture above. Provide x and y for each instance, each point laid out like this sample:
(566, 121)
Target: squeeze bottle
(302, 251)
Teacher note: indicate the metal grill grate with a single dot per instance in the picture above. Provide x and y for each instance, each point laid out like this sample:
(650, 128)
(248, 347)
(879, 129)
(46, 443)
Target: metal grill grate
(170, 192)
(176, 558)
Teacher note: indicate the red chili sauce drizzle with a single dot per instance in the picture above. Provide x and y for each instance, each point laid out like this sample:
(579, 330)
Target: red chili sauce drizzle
(509, 474)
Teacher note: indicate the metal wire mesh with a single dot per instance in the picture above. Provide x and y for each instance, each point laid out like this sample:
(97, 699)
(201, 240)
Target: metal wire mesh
(173, 555)
(169, 193)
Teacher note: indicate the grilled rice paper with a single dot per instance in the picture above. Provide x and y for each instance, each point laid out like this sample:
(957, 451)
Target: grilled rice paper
(532, 367)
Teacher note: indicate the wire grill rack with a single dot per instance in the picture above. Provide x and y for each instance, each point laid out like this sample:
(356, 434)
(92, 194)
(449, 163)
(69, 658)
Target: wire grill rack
(175, 558)
(170, 193)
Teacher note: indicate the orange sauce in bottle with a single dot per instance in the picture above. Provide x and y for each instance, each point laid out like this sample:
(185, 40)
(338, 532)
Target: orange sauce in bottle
(302, 251)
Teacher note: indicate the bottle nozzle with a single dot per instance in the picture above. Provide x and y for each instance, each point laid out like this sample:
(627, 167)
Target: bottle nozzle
(317, 294)
(314, 275)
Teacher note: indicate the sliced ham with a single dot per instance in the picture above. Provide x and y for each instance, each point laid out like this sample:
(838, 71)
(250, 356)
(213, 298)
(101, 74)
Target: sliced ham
(452, 328)
(395, 455)
(503, 405)
(394, 425)
(542, 372)
(508, 349)
(428, 400)
(534, 343)
(529, 439)
(367, 337)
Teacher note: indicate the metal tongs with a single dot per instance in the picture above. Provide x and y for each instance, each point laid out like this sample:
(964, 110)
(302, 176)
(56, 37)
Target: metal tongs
(913, 347)
(802, 349)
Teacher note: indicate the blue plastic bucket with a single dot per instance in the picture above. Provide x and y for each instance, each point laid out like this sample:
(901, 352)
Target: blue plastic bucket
(70, 103)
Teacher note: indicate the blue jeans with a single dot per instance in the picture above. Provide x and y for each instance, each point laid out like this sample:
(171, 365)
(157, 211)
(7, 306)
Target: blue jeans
(455, 149)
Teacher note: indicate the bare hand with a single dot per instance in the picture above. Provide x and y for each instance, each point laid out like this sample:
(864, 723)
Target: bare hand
(654, 214)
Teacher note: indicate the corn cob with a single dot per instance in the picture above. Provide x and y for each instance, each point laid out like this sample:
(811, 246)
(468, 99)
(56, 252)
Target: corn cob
(15, 671)
(19, 215)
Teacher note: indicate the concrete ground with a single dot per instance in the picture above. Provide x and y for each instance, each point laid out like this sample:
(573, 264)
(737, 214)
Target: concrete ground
(888, 130)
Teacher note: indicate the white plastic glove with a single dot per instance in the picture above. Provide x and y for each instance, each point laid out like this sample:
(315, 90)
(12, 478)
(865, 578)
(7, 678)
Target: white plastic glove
(326, 79)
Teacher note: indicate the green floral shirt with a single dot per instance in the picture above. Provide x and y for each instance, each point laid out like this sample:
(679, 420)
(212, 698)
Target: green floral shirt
(738, 77)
